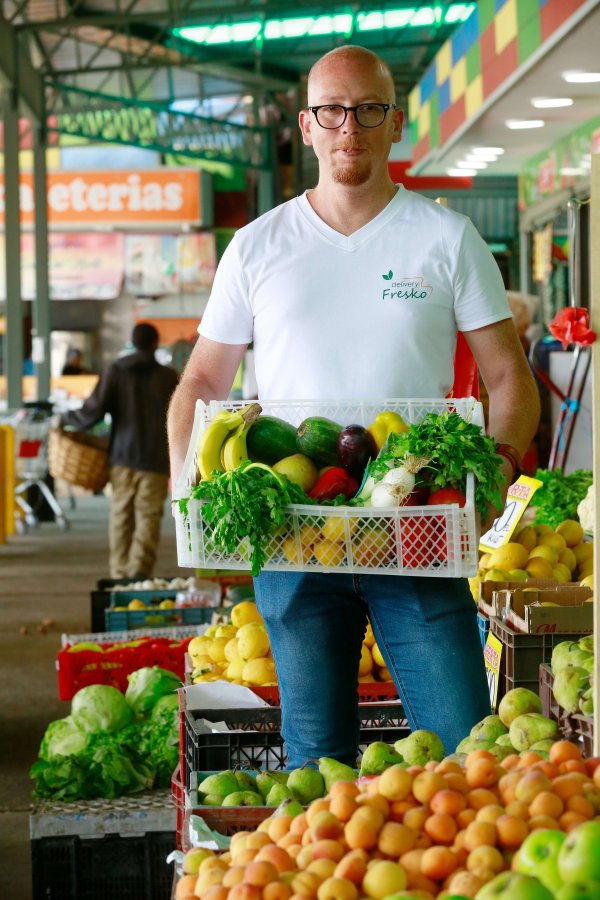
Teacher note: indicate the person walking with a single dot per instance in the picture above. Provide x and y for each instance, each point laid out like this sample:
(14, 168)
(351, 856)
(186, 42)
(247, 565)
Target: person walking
(135, 391)
(357, 289)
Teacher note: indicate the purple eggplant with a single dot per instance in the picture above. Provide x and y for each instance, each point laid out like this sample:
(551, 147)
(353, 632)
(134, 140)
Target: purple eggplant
(355, 447)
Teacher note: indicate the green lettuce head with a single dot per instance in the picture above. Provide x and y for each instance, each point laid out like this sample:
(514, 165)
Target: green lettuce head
(62, 738)
(100, 707)
(146, 686)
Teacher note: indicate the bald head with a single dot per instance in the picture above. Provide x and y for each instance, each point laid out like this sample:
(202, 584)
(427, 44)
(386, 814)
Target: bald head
(350, 54)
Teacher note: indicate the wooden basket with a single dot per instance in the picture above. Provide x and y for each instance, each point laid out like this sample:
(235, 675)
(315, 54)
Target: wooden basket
(78, 458)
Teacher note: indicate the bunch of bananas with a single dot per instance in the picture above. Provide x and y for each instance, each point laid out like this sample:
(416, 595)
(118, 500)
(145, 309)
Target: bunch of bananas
(223, 443)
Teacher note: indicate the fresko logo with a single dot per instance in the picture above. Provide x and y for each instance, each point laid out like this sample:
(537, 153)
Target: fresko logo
(409, 288)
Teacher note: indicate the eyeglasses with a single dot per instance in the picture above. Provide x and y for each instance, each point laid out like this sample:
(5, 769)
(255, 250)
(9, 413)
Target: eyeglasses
(368, 115)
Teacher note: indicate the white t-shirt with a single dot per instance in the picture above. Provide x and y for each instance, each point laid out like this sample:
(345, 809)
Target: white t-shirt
(368, 316)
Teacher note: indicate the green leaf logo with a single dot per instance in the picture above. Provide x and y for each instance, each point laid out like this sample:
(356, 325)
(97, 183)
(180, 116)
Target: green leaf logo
(389, 276)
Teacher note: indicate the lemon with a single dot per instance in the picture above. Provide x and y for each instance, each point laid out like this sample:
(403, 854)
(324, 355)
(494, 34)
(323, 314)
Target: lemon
(484, 560)
(204, 665)
(245, 612)
(253, 641)
(496, 575)
(383, 674)
(543, 551)
(366, 679)
(259, 671)
(211, 632)
(518, 575)
(136, 604)
(474, 587)
(571, 531)
(231, 650)
(553, 540)
(366, 661)
(561, 573)
(227, 631)
(369, 638)
(539, 568)
(86, 645)
(377, 657)
(509, 556)
(567, 558)
(198, 646)
(329, 553)
(588, 581)
(334, 528)
(166, 604)
(543, 529)
(290, 550)
(234, 670)
(583, 551)
(527, 537)
(216, 649)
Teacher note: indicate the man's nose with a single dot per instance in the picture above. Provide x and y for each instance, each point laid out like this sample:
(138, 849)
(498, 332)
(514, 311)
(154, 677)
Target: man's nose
(351, 124)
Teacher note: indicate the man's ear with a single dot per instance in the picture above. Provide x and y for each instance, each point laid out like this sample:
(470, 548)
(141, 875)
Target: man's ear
(305, 123)
(398, 120)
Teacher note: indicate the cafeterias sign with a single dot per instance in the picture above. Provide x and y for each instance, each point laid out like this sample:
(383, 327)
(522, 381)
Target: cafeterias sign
(114, 198)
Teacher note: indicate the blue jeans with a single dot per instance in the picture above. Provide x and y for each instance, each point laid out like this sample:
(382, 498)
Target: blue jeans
(426, 629)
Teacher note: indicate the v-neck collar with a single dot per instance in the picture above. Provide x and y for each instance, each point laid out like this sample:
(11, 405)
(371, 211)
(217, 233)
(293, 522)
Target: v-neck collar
(358, 238)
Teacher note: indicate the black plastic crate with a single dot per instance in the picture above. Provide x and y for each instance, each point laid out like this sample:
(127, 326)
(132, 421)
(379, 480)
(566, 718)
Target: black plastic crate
(257, 742)
(522, 655)
(68, 867)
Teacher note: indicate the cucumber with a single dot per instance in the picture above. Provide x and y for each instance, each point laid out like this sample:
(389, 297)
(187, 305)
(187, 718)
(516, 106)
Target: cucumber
(317, 438)
(270, 439)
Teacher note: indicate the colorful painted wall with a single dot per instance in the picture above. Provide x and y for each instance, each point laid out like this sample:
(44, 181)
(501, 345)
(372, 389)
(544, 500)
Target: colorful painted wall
(497, 38)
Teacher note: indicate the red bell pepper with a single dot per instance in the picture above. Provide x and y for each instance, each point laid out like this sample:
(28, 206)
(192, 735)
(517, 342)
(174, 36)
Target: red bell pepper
(334, 481)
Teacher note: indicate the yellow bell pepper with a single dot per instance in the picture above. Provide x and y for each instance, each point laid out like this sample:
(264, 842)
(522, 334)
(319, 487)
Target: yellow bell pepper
(385, 424)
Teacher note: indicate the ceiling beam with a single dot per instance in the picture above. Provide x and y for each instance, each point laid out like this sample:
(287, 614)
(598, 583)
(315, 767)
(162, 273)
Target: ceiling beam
(18, 74)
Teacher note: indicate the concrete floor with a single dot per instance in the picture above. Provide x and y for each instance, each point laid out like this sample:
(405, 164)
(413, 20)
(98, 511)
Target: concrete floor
(45, 574)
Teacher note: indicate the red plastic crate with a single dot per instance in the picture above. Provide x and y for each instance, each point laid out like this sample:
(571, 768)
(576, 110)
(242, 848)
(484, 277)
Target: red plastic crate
(368, 692)
(79, 669)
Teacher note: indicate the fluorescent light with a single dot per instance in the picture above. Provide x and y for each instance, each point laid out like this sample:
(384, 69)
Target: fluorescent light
(461, 173)
(497, 150)
(551, 102)
(576, 77)
(516, 124)
(485, 157)
(471, 164)
(572, 170)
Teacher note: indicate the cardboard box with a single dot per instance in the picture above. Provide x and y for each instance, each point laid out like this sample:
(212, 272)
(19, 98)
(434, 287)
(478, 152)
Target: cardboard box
(525, 612)
(491, 604)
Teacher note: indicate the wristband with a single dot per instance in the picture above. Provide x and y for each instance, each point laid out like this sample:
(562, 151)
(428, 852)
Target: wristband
(513, 456)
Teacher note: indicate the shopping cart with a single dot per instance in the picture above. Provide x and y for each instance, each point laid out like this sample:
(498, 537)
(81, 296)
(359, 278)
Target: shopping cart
(31, 426)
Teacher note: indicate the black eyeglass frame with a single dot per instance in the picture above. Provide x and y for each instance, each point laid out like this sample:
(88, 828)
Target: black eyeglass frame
(383, 106)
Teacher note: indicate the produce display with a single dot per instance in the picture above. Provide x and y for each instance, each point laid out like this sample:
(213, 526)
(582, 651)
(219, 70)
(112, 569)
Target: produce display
(254, 467)
(112, 743)
(560, 495)
(240, 652)
(539, 551)
(572, 666)
(463, 826)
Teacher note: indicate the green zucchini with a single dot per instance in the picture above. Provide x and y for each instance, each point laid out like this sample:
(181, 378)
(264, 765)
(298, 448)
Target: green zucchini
(270, 439)
(317, 438)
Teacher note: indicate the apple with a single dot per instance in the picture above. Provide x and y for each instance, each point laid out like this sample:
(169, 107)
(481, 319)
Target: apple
(579, 857)
(538, 856)
(580, 890)
(514, 886)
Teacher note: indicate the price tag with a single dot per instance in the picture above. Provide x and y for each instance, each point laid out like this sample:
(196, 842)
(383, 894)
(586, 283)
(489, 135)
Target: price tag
(517, 500)
(492, 653)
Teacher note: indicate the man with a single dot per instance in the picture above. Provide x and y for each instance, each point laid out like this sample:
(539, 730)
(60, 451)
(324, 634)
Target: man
(135, 390)
(356, 290)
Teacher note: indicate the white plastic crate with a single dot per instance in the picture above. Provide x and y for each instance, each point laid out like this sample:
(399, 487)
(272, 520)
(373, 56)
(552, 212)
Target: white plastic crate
(412, 540)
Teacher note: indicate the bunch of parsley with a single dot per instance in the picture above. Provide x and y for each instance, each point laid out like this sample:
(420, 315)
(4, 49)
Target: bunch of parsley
(453, 447)
(248, 502)
(560, 495)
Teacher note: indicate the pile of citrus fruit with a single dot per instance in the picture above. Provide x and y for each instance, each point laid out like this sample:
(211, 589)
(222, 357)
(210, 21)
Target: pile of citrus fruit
(477, 830)
(239, 652)
(539, 551)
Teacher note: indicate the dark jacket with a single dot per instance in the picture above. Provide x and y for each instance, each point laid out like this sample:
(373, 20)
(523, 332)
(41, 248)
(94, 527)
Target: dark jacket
(135, 390)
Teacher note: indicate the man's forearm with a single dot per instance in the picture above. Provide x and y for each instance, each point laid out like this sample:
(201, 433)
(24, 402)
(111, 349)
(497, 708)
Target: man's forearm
(514, 413)
(180, 421)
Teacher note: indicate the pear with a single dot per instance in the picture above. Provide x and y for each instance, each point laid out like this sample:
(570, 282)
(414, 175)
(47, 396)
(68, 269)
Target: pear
(529, 728)
(420, 747)
(243, 798)
(245, 781)
(517, 702)
(306, 785)
(542, 746)
(489, 729)
(468, 743)
(193, 858)
(500, 752)
(277, 794)
(567, 653)
(333, 771)
(377, 757)
(265, 781)
(587, 643)
(289, 807)
(504, 741)
(212, 800)
(221, 783)
(570, 683)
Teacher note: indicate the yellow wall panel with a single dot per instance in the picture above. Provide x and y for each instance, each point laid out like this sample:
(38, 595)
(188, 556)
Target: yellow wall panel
(458, 80)
(505, 27)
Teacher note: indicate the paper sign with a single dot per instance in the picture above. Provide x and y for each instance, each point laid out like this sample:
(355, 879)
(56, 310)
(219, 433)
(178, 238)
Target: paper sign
(492, 653)
(517, 500)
